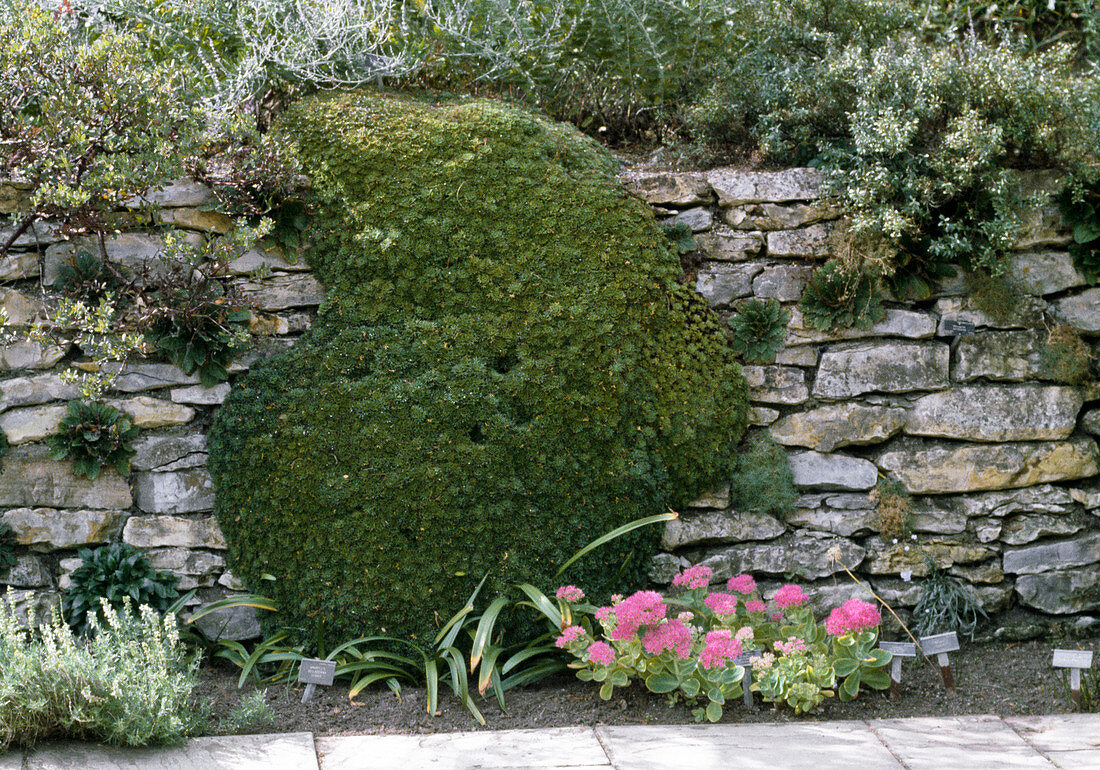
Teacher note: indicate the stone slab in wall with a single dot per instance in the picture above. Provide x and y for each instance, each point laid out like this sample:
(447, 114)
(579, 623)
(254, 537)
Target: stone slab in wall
(29, 478)
(892, 367)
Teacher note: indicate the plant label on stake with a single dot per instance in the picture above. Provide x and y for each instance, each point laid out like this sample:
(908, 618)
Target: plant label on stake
(1074, 660)
(958, 328)
(315, 672)
(899, 650)
(745, 660)
(939, 645)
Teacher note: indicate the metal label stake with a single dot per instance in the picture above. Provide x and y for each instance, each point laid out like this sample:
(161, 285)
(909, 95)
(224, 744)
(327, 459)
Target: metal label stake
(313, 672)
(939, 645)
(1075, 661)
(899, 650)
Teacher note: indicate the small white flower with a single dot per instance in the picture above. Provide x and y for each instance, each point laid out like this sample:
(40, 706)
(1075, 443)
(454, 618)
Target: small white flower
(907, 575)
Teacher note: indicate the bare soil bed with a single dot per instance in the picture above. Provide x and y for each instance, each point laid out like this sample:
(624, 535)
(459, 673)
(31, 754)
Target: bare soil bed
(1007, 679)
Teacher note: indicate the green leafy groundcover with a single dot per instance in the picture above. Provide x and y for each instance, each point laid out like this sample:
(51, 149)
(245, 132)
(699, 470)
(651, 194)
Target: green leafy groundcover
(503, 369)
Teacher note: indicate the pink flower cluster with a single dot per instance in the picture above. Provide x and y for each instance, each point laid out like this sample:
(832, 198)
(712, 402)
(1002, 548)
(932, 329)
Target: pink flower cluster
(742, 584)
(570, 594)
(756, 606)
(568, 635)
(718, 648)
(601, 652)
(644, 608)
(852, 617)
(670, 635)
(791, 646)
(694, 577)
(790, 595)
(721, 604)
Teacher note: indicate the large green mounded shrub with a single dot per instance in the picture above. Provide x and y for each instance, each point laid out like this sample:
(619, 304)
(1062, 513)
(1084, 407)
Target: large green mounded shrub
(503, 369)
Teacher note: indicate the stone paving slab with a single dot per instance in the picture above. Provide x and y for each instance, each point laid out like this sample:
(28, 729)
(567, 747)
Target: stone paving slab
(822, 746)
(288, 751)
(563, 747)
(12, 759)
(968, 743)
(1071, 741)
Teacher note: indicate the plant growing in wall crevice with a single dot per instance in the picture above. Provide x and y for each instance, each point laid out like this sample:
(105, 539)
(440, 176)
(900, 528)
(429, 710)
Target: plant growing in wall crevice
(758, 328)
(841, 297)
(94, 436)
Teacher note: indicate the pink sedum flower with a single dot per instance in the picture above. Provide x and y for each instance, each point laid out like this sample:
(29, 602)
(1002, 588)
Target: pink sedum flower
(602, 653)
(721, 604)
(790, 595)
(791, 646)
(570, 634)
(644, 608)
(604, 613)
(719, 648)
(742, 584)
(570, 594)
(776, 617)
(756, 606)
(852, 617)
(694, 577)
(670, 635)
(744, 634)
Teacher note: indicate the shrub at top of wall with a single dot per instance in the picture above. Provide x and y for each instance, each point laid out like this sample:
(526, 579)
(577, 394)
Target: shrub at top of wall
(504, 368)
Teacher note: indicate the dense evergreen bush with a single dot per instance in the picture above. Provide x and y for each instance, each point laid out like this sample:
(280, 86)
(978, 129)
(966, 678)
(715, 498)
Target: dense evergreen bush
(504, 368)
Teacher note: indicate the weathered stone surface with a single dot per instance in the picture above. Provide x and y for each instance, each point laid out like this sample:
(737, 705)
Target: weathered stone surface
(893, 367)
(32, 423)
(1089, 422)
(177, 193)
(134, 251)
(21, 309)
(931, 514)
(199, 394)
(986, 530)
(761, 415)
(814, 470)
(723, 245)
(697, 220)
(836, 425)
(805, 553)
(237, 623)
(157, 452)
(720, 283)
(735, 186)
(669, 188)
(148, 412)
(174, 531)
(782, 282)
(896, 323)
(720, 527)
(665, 567)
(716, 498)
(15, 195)
(36, 389)
(1061, 592)
(1034, 559)
(43, 602)
(280, 292)
(1044, 272)
(839, 522)
(197, 569)
(18, 265)
(891, 558)
(48, 529)
(770, 216)
(27, 572)
(1036, 499)
(800, 355)
(195, 219)
(937, 469)
(897, 593)
(776, 384)
(1081, 311)
(1010, 356)
(30, 355)
(137, 377)
(997, 413)
(231, 581)
(856, 501)
(265, 259)
(1021, 530)
(267, 325)
(29, 478)
(176, 492)
(812, 241)
(38, 234)
(1041, 227)
(986, 572)
(1026, 313)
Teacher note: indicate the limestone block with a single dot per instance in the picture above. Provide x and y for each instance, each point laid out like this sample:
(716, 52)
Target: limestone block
(716, 498)
(782, 282)
(27, 572)
(720, 527)
(892, 367)
(133, 251)
(35, 389)
(236, 623)
(1033, 559)
(185, 491)
(197, 569)
(697, 220)
(1027, 528)
(839, 522)
(770, 216)
(800, 355)
(836, 425)
(826, 595)
(735, 186)
(1081, 311)
(195, 219)
(665, 567)
(1044, 498)
(1011, 356)
(854, 501)
(805, 553)
(173, 531)
(986, 572)
(987, 530)
(669, 188)
(49, 529)
(1041, 227)
(15, 195)
(32, 423)
(30, 355)
(994, 598)
(136, 377)
(1026, 313)
(231, 581)
(969, 468)
(148, 412)
(761, 415)
(38, 234)
(175, 194)
(1090, 421)
(159, 452)
(21, 309)
(265, 259)
(776, 384)
(720, 283)
(997, 413)
(930, 516)
(885, 557)
(897, 593)
(199, 394)
(42, 603)
(282, 291)
(1061, 592)
(723, 245)
(29, 478)
(1044, 272)
(896, 323)
(19, 265)
(812, 241)
(267, 325)
(814, 470)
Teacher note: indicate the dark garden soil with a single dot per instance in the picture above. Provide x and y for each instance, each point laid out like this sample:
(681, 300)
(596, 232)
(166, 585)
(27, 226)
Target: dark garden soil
(1007, 679)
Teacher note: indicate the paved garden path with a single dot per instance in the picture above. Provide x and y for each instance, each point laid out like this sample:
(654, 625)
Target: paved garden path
(1069, 742)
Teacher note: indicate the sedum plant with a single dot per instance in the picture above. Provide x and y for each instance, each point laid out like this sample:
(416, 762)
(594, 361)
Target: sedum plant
(839, 297)
(95, 436)
(758, 329)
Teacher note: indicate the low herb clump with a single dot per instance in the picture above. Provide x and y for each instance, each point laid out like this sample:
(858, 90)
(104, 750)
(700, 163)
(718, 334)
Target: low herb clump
(95, 436)
(758, 329)
(893, 509)
(1065, 357)
(945, 604)
(838, 296)
(762, 481)
(119, 575)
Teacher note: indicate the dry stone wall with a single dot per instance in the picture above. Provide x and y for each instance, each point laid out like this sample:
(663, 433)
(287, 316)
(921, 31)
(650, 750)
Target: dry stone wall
(1003, 466)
